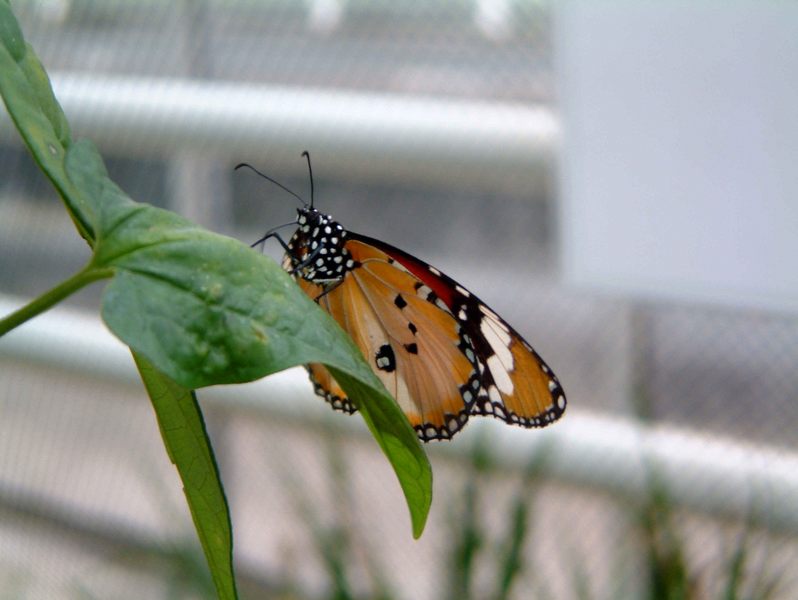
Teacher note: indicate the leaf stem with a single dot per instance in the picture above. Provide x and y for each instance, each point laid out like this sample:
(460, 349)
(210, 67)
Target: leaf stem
(66, 288)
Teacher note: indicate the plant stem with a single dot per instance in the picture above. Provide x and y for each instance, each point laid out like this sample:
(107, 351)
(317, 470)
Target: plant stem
(66, 288)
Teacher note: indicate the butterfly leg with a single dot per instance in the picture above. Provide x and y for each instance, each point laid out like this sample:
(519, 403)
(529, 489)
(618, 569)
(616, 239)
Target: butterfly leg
(307, 261)
(272, 233)
(327, 289)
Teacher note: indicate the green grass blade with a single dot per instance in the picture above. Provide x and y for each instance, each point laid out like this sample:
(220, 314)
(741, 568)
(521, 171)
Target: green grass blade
(512, 560)
(668, 573)
(468, 529)
(735, 570)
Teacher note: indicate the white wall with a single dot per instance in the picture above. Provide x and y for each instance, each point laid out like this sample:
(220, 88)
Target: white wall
(679, 170)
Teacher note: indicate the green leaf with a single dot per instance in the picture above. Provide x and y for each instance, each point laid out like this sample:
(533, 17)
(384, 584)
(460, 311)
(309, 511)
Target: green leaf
(207, 309)
(202, 308)
(398, 441)
(29, 99)
(186, 440)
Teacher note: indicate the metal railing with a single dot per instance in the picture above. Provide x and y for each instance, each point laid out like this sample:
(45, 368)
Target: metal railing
(359, 136)
(389, 138)
(718, 476)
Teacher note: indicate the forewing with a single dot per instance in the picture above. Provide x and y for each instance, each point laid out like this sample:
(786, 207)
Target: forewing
(414, 346)
(436, 381)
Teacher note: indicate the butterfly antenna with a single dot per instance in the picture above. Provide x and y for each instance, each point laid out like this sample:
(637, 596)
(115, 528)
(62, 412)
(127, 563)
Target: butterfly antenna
(306, 154)
(277, 183)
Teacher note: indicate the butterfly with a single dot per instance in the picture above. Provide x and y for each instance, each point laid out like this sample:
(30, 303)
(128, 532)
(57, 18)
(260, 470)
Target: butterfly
(438, 349)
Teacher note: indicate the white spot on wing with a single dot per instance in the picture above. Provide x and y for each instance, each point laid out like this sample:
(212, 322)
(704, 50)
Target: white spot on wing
(500, 375)
(488, 312)
(400, 266)
(462, 290)
(495, 319)
(499, 341)
(494, 395)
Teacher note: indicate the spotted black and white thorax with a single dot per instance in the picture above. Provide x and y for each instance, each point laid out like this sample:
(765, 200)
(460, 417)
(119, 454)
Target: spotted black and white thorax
(316, 251)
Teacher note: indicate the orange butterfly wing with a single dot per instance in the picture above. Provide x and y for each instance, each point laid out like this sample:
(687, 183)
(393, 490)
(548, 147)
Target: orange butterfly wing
(441, 352)
(398, 332)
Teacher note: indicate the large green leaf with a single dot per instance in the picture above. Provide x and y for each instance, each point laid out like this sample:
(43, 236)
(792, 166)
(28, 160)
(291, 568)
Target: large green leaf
(199, 308)
(206, 309)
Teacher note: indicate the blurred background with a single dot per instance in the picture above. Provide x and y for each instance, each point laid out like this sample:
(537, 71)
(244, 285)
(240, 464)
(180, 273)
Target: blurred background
(617, 180)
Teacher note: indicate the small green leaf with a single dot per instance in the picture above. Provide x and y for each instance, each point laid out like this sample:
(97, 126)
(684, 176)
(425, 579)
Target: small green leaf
(186, 440)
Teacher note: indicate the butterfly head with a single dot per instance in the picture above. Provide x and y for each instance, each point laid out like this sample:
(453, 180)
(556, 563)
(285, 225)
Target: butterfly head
(317, 250)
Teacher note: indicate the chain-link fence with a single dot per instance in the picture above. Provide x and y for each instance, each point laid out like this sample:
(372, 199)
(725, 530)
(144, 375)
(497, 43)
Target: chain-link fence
(90, 504)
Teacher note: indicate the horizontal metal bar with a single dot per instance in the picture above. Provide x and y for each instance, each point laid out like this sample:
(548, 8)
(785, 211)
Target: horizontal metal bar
(711, 474)
(360, 136)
